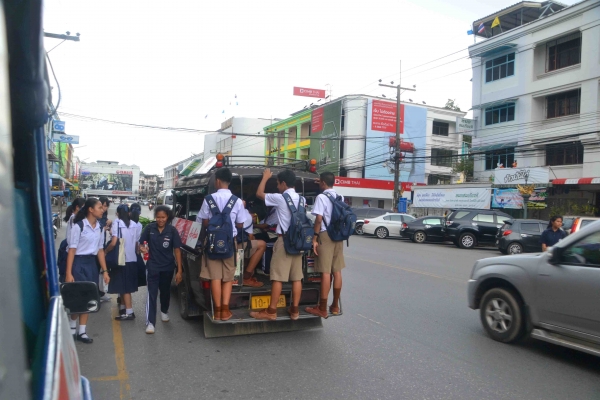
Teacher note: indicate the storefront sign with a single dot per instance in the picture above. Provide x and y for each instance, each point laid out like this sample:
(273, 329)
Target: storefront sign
(521, 176)
(465, 126)
(453, 198)
(306, 92)
(373, 183)
(317, 120)
(189, 231)
(511, 198)
(384, 116)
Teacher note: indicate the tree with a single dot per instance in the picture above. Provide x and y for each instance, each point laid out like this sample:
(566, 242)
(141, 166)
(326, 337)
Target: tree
(450, 105)
(464, 166)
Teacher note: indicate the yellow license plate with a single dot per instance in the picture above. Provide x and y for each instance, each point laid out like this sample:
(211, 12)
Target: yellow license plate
(259, 302)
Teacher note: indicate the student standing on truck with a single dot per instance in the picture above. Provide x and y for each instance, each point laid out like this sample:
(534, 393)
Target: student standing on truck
(124, 278)
(329, 254)
(85, 245)
(245, 237)
(284, 267)
(221, 272)
(163, 255)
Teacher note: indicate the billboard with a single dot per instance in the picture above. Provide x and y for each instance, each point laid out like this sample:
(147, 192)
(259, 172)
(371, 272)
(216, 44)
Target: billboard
(521, 176)
(453, 198)
(511, 198)
(99, 179)
(307, 92)
(325, 137)
(381, 124)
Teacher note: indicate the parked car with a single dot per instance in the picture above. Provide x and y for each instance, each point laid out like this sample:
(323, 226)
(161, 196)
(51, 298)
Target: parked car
(386, 225)
(144, 202)
(580, 222)
(424, 229)
(520, 236)
(363, 213)
(568, 223)
(551, 296)
(468, 228)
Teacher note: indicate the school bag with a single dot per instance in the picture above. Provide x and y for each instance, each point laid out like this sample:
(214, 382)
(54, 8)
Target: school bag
(343, 220)
(298, 238)
(63, 251)
(219, 233)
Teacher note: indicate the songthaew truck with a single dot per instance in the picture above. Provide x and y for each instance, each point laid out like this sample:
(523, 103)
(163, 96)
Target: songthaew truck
(195, 294)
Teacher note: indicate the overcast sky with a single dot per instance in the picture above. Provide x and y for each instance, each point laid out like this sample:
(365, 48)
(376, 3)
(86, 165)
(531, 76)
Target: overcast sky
(173, 63)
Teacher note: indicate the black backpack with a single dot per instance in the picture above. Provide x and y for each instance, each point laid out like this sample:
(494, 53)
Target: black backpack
(343, 220)
(63, 251)
(299, 236)
(220, 243)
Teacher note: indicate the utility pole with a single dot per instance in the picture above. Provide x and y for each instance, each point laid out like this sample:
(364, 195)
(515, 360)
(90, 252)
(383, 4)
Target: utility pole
(397, 149)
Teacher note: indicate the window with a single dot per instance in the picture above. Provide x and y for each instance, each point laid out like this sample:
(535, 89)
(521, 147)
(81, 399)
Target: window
(432, 221)
(530, 227)
(408, 218)
(499, 114)
(460, 215)
(376, 213)
(380, 203)
(500, 67)
(563, 52)
(387, 218)
(564, 153)
(586, 251)
(443, 157)
(439, 179)
(397, 218)
(440, 128)
(561, 104)
(484, 218)
(493, 159)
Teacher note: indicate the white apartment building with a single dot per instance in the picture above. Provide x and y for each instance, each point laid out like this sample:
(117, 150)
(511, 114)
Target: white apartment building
(148, 184)
(235, 144)
(536, 97)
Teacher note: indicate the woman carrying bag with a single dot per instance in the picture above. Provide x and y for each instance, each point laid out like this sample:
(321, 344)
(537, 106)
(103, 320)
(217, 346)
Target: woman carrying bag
(134, 211)
(122, 260)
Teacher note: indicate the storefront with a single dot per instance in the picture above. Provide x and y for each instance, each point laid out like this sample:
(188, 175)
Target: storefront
(360, 192)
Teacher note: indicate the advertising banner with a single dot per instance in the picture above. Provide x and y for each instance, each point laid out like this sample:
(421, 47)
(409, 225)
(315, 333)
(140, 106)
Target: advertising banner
(521, 176)
(306, 92)
(511, 198)
(106, 180)
(381, 124)
(465, 126)
(453, 198)
(189, 231)
(325, 137)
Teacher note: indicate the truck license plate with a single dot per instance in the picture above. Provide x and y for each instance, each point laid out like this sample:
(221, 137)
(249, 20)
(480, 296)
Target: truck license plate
(260, 302)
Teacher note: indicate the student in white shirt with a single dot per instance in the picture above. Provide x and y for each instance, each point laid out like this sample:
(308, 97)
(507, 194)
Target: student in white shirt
(85, 245)
(257, 249)
(222, 271)
(70, 214)
(284, 267)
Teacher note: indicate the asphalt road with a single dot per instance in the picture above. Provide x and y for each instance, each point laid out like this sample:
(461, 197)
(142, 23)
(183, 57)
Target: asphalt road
(406, 333)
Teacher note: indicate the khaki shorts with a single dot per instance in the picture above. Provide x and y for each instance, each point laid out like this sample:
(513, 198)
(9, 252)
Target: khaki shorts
(331, 255)
(223, 270)
(285, 267)
(253, 248)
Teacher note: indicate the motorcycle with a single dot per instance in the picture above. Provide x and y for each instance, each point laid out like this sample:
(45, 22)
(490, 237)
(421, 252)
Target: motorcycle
(150, 206)
(55, 224)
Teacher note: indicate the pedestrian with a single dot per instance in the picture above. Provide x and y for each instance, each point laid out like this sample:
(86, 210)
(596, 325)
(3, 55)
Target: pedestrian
(85, 245)
(105, 224)
(255, 249)
(124, 278)
(63, 248)
(221, 271)
(329, 254)
(284, 267)
(164, 255)
(134, 212)
(70, 214)
(553, 233)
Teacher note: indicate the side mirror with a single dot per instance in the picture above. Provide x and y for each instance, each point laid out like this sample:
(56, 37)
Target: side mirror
(80, 297)
(553, 255)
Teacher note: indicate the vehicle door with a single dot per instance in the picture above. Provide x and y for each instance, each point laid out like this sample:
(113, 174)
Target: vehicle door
(394, 224)
(487, 226)
(434, 228)
(530, 236)
(568, 293)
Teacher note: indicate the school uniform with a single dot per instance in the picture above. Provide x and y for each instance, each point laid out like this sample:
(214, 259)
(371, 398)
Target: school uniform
(124, 279)
(159, 267)
(284, 267)
(250, 245)
(331, 253)
(223, 269)
(87, 242)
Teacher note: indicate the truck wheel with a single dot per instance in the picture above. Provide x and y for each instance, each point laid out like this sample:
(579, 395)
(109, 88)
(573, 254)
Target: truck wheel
(501, 315)
(183, 295)
(467, 241)
(358, 229)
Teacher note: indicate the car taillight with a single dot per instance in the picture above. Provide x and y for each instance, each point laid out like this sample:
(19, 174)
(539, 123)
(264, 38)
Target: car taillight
(448, 223)
(506, 232)
(575, 225)
(404, 225)
(366, 221)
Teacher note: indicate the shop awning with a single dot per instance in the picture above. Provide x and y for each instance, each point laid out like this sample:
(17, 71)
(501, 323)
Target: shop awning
(576, 181)
(492, 147)
(52, 157)
(56, 176)
(483, 106)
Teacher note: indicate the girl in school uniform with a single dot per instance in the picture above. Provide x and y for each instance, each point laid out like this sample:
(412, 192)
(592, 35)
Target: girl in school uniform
(71, 212)
(124, 280)
(85, 245)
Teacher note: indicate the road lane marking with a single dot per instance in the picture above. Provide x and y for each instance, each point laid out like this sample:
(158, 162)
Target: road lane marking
(106, 379)
(407, 269)
(122, 375)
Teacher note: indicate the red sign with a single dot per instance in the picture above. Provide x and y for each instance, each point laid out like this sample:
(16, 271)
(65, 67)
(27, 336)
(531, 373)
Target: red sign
(372, 183)
(306, 92)
(124, 172)
(383, 116)
(317, 120)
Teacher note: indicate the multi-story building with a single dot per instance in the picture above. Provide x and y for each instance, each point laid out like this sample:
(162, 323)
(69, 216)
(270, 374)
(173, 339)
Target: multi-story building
(148, 185)
(183, 167)
(245, 149)
(536, 99)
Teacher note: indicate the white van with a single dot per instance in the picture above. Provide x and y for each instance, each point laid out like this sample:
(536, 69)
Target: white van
(165, 197)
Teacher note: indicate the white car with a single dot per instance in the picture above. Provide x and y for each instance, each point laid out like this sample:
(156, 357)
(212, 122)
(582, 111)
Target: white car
(387, 225)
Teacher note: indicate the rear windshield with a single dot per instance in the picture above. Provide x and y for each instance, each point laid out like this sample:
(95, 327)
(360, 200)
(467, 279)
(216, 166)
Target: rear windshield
(568, 223)
(530, 227)
(586, 222)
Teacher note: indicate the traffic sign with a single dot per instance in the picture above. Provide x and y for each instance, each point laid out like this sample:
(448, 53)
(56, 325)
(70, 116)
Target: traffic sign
(73, 139)
(58, 126)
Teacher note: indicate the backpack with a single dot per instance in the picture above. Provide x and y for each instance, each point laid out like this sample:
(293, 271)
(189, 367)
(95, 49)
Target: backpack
(63, 251)
(219, 233)
(343, 220)
(299, 236)
(242, 235)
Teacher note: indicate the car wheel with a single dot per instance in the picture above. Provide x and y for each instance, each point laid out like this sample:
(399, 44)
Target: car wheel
(514, 248)
(501, 315)
(358, 229)
(467, 241)
(420, 237)
(381, 232)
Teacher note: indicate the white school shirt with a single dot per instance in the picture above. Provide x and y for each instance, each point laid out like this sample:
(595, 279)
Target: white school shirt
(131, 236)
(324, 207)
(69, 226)
(87, 242)
(272, 217)
(282, 211)
(221, 197)
(248, 222)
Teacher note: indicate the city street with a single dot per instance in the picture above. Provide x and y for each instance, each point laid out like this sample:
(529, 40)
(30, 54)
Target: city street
(406, 333)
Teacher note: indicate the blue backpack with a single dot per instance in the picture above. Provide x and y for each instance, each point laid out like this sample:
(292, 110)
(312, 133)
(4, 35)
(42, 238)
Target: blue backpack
(343, 220)
(299, 236)
(220, 243)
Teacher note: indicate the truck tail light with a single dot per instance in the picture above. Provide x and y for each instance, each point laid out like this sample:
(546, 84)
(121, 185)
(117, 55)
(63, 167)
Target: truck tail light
(575, 226)
(506, 232)
(366, 221)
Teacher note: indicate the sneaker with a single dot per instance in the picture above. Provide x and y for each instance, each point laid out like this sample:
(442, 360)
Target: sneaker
(316, 311)
(125, 317)
(164, 317)
(263, 314)
(334, 310)
(84, 338)
(105, 298)
(150, 329)
(293, 315)
(253, 282)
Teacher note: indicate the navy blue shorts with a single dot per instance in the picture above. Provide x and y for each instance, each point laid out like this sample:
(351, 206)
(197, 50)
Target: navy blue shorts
(85, 269)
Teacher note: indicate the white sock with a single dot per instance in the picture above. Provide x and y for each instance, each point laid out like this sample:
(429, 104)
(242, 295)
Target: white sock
(72, 323)
(81, 329)
(129, 311)
(121, 307)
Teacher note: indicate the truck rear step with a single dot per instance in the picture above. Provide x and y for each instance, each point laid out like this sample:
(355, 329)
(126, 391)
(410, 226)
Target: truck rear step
(243, 324)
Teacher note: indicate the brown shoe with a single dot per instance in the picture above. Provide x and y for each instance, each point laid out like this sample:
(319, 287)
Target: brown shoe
(334, 310)
(263, 314)
(253, 282)
(217, 313)
(293, 315)
(225, 313)
(316, 311)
